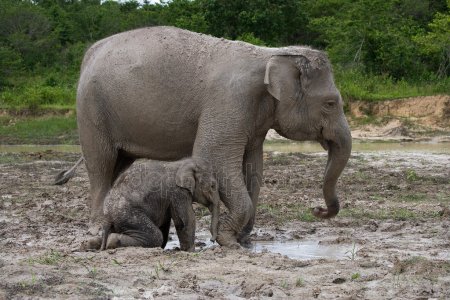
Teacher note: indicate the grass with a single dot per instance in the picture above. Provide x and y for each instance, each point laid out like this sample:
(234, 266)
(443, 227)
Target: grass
(297, 212)
(351, 254)
(162, 267)
(284, 284)
(377, 197)
(38, 130)
(413, 197)
(51, 258)
(40, 88)
(356, 85)
(411, 175)
(299, 282)
(287, 212)
(397, 214)
(35, 96)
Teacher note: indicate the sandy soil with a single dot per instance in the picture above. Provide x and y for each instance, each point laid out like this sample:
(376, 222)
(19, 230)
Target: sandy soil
(393, 234)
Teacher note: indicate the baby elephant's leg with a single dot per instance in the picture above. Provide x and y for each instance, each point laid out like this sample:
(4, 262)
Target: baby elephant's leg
(139, 231)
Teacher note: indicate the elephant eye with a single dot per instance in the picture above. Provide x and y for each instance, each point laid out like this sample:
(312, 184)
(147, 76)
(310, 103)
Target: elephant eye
(330, 103)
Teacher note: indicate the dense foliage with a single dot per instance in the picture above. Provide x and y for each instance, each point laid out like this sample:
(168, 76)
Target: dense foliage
(402, 43)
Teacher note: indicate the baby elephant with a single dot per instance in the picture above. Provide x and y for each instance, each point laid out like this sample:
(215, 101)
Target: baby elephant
(145, 198)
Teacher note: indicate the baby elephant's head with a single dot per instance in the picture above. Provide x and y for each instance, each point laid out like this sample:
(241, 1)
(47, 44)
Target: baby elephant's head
(196, 175)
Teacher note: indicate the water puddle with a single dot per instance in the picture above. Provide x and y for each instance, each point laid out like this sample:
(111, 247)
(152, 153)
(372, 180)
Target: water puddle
(300, 250)
(303, 250)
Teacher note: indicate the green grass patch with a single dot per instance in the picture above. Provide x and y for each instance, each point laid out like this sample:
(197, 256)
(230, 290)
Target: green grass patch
(287, 212)
(413, 197)
(51, 257)
(356, 85)
(35, 96)
(443, 197)
(41, 130)
(377, 197)
(411, 175)
(397, 214)
(41, 88)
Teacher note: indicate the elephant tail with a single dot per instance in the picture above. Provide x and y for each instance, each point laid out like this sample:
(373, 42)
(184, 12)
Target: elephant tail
(65, 175)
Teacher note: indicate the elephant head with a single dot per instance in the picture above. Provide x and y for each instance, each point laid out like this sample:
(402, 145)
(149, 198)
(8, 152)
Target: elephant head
(310, 107)
(196, 175)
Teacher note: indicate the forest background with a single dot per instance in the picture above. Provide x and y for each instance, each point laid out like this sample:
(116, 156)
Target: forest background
(380, 49)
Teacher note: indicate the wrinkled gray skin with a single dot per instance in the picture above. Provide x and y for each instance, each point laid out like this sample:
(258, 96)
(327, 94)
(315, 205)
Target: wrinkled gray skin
(145, 198)
(165, 93)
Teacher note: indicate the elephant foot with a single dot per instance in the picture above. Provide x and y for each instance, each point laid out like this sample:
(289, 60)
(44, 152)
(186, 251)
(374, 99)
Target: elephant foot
(92, 244)
(227, 238)
(113, 241)
(245, 241)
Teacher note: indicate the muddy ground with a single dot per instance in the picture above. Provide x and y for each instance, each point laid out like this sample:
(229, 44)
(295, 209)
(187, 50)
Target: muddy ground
(393, 234)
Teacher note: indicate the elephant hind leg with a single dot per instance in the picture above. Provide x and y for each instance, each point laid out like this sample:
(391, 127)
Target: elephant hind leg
(100, 164)
(104, 164)
(139, 231)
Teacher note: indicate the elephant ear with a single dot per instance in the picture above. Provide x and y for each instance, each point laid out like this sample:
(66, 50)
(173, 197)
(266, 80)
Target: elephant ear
(285, 76)
(185, 177)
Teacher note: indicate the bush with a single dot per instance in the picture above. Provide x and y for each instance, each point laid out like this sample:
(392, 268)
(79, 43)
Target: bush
(37, 95)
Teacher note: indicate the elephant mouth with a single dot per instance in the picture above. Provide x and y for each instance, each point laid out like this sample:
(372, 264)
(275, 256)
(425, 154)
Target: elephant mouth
(325, 144)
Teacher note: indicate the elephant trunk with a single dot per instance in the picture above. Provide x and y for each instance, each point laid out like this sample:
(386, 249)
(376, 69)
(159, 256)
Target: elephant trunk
(214, 208)
(339, 150)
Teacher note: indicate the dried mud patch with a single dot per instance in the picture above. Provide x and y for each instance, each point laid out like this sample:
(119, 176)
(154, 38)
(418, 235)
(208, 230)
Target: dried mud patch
(393, 229)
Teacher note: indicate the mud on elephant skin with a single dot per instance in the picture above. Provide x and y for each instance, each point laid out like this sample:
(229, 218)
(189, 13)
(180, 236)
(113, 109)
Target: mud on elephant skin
(146, 197)
(165, 93)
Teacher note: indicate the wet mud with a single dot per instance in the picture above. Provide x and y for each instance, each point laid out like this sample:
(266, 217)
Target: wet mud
(390, 240)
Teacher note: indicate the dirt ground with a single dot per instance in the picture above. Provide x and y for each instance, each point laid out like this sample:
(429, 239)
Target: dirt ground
(393, 234)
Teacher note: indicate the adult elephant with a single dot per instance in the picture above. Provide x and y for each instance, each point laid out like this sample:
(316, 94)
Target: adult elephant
(165, 93)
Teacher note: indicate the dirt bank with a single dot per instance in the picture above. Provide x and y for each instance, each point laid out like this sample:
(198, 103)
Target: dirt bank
(433, 111)
(393, 229)
(416, 118)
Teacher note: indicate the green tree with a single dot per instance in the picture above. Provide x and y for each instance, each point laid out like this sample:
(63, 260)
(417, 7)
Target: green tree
(376, 35)
(25, 29)
(275, 22)
(185, 14)
(10, 62)
(435, 43)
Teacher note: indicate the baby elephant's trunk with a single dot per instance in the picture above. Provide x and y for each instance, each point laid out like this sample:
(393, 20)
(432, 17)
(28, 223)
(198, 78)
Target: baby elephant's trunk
(214, 208)
(106, 231)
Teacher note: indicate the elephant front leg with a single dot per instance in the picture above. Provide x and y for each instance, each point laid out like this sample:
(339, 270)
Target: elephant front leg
(184, 220)
(253, 169)
(234, 195)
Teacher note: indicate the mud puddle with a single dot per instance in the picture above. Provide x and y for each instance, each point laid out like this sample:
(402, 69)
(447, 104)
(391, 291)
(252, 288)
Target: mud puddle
(305, 250)
(202, 240)
(294, 249)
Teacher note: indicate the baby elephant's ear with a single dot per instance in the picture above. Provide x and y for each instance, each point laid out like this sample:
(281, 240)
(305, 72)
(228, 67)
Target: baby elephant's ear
(185, 177)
